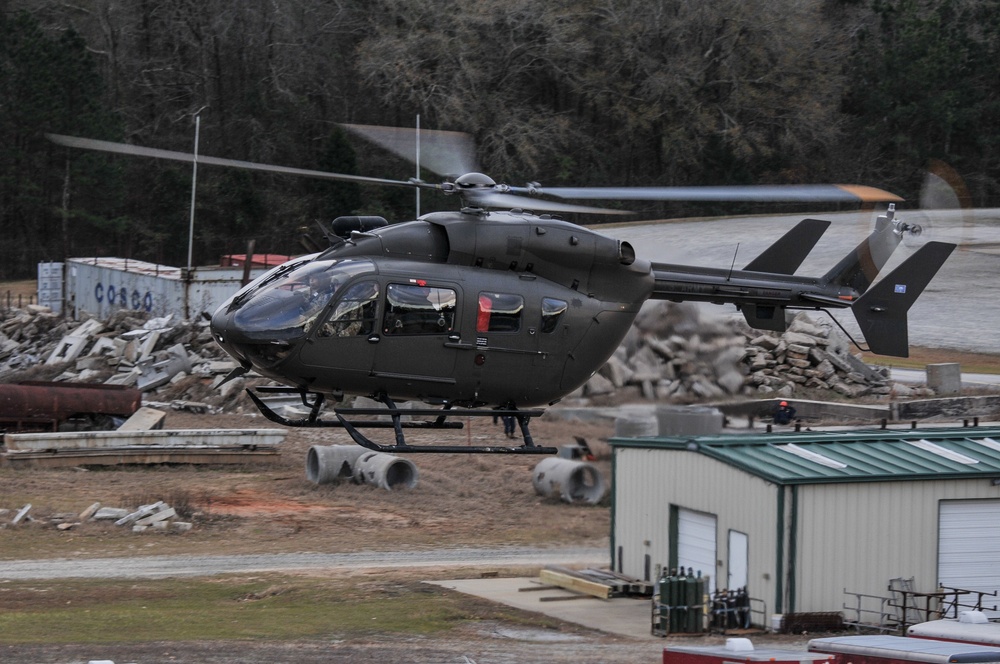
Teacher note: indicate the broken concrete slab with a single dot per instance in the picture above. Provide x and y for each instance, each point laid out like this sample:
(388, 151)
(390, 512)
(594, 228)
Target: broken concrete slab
(22, 513)
(144, 419)
(56, 441)
(89, 512)
(67, 350)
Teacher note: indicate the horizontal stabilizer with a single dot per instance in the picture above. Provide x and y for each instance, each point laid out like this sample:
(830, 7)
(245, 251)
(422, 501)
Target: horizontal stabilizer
(881, 311)
(786, 255)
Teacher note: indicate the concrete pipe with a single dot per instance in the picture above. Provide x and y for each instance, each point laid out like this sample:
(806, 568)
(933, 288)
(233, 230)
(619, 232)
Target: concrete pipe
(572, 481)
(385, 470)
(330, 463)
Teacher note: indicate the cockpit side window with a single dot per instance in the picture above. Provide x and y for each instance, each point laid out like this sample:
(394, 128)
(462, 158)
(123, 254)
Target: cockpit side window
(552, 312)
(499, 312)
(354, 313)
(291, 301)
(415, 309)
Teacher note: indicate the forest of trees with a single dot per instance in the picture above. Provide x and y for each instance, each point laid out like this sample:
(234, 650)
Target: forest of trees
(587, 92)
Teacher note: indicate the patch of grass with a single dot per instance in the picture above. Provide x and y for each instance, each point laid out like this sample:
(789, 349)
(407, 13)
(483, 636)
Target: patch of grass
(920, 357)
(278, 608)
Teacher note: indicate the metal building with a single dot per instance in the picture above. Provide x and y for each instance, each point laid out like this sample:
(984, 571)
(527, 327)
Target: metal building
(798, 518)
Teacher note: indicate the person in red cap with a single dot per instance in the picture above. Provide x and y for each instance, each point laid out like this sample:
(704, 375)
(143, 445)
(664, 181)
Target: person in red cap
(784, 414)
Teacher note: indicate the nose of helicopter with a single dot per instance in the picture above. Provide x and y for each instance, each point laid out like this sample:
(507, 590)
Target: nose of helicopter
(221, 328)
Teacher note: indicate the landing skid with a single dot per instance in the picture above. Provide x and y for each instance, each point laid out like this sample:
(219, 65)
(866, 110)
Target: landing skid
(346, 420)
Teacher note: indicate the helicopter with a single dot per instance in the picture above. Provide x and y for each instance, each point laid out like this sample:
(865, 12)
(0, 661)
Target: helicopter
(501, 308)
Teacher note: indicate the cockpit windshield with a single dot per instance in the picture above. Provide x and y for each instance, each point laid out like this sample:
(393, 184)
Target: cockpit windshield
(287, 305)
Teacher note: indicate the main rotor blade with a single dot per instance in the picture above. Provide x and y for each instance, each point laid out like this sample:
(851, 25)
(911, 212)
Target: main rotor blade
(790, 193)
(137, 150)
(489, 199)
(442, 152)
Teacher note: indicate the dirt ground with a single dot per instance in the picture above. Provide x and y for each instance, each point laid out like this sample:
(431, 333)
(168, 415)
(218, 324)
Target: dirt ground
(459, 499)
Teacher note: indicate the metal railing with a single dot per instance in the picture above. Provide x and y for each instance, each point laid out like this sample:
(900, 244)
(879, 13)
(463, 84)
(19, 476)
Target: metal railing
(905, 607)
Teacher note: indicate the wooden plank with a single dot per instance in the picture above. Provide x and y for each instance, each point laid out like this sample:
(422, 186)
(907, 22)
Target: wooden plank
(569, 582)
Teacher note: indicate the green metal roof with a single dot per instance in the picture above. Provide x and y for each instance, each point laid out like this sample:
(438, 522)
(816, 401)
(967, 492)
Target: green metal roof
(869, 455)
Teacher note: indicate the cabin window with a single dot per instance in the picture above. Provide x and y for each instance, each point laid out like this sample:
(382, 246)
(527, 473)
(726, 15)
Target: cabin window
(415, 309)
(552, 313)
(499, 312)
(354, 314)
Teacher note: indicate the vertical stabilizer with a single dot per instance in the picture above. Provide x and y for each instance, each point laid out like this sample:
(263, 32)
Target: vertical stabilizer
(881, 311)
(786, 255)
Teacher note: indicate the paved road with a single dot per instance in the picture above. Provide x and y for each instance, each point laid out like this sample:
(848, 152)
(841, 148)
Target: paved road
(958, 310)
(159, 567)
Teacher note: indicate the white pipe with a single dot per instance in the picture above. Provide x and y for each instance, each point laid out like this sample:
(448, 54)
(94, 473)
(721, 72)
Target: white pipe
(573, 481)
(386, 471)
(331, 463)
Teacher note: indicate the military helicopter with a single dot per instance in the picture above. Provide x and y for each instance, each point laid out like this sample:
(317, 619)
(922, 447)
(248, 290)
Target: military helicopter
(500, 308)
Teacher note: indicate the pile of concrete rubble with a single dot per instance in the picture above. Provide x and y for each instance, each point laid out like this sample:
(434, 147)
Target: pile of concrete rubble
(672, 354)
(156, 516)
(168, 360)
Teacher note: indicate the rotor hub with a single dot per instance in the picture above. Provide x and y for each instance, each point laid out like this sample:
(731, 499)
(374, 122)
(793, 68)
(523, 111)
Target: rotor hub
(475, 181)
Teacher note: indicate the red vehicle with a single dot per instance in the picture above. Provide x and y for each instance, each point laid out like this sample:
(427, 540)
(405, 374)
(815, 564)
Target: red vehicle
(883, 649)
(971, 627)
(740, 651)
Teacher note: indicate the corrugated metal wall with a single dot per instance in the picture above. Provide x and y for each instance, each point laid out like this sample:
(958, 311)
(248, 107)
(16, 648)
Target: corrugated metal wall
(648, 482)
(859, 536)
(102, 286)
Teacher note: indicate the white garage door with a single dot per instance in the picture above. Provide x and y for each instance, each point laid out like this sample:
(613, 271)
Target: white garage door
(696, 543)
(969, 547)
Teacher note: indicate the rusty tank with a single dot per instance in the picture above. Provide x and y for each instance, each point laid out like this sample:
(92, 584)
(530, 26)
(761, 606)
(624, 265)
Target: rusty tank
(43, 406)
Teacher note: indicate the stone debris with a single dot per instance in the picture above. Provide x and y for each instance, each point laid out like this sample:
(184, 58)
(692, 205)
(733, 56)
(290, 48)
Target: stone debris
(173, 362)
(157, 516)
(672, 354)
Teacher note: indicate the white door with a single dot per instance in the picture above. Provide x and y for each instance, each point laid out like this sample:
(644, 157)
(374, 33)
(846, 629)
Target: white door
(969, 548)
(739, 554)
(696, 543)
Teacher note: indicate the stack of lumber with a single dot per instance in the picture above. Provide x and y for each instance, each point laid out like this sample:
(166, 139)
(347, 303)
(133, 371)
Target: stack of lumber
(600, 583)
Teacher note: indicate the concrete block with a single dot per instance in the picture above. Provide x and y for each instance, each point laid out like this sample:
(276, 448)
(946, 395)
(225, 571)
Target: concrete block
(67, 350)
(140, 513)
(89, 512)
(155, 518)
(144, 419)
(637, 426)
(22, 513)
(110, 513)
(945, 379)
(689, 420)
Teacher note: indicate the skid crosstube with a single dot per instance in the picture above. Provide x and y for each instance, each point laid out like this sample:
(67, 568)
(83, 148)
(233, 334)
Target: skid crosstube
(345, 419)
